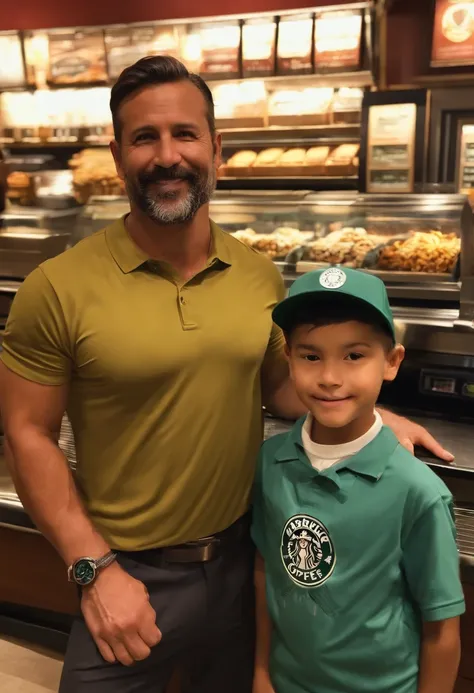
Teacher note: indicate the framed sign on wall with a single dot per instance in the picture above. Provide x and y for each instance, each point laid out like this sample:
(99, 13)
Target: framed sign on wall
(453, 33)
(393, 141)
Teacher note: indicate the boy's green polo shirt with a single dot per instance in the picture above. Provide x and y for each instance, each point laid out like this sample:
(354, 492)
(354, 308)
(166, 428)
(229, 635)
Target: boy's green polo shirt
(356, 558)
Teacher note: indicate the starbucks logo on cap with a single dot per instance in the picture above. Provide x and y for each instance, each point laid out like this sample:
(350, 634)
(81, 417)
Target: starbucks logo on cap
(333, 278)
(307, 551)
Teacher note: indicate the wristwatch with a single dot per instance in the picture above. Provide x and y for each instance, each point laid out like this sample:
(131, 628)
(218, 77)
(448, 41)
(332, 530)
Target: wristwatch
(84, 571)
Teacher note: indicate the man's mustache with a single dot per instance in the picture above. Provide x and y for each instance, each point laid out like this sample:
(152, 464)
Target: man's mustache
(173, 173)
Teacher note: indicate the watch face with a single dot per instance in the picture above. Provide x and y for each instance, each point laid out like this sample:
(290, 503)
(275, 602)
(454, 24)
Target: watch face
(84, 571)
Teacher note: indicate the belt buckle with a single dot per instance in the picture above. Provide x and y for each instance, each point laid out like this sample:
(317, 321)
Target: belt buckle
(207, 549)
(201, 551)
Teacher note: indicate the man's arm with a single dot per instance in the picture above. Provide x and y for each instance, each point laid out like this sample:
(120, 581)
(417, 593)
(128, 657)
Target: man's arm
(116, 607)
(440, 656)
(410, 434)
(262, 682)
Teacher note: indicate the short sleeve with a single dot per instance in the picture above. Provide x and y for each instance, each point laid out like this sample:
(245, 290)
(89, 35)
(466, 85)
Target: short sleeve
(431, 563)
(35, 343)
(275, 352)
(258, 509)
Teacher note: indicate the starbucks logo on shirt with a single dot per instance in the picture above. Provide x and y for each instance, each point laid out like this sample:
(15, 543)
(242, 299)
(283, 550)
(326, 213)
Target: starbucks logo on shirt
(307, 551)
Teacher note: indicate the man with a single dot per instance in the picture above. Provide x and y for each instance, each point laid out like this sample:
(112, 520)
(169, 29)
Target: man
(156, 335)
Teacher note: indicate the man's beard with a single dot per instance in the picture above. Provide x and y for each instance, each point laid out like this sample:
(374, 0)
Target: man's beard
(158, 206)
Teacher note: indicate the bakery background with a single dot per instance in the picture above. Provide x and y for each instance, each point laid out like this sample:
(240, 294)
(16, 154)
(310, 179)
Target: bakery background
(351, 144)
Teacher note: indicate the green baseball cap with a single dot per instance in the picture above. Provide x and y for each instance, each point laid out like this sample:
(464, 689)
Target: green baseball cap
(335, 285)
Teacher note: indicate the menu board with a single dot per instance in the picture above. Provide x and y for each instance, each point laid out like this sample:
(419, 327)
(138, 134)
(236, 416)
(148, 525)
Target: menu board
(258, 47)
(126, 45)
(220, 50)
(338, 40)
(295, 45)
(12, 67)
(77, 57)
(391, 148)
(453, 33)
(465, 167)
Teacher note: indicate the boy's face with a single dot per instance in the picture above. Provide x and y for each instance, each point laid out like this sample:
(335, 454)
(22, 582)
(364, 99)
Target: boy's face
(338, 371)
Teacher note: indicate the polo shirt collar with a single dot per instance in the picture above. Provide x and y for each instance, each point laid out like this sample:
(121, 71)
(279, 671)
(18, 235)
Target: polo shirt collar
(129, 256)
(370, 462)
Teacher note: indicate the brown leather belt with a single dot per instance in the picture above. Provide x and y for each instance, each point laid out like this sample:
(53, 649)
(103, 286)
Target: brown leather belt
(199, 551)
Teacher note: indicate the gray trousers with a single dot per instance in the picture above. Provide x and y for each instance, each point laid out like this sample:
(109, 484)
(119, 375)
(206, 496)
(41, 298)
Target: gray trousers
(205, 612)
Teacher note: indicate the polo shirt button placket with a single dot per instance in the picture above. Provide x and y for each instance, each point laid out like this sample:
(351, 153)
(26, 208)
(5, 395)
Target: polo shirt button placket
(185, 318)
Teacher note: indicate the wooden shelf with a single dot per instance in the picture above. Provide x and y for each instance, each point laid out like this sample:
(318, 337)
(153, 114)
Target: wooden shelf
(304, 135)
(355, 78)
(289, 183)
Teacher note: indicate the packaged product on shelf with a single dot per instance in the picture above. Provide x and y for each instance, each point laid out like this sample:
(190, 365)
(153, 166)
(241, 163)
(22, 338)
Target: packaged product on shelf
(240, 105)
(220, 49)
(77, 56)
(127, 44)
(12, 67)
(258, 47)
(295, 45)
(347, 105)
(21, 119)
(338, 40)
(293, 107)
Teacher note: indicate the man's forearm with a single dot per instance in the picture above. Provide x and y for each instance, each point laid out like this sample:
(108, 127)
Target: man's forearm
(440, 656)
(46, 487)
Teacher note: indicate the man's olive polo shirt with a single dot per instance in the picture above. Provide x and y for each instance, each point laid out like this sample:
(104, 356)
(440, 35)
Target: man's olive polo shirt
(165, 396)
(356, 557)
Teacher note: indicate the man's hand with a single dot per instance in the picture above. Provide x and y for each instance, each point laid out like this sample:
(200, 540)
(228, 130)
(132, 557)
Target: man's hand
(119, 616)
(410, 434)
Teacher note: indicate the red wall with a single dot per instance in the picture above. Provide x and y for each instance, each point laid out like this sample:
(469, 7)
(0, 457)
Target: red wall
(38, 14)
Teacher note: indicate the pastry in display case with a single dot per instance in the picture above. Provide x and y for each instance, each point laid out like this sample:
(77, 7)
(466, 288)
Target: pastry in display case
(21, 188)
(94, 173)
(422, 242)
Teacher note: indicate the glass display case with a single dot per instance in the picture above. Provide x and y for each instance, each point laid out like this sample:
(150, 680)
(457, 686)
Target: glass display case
(421, 245)
(28, 236)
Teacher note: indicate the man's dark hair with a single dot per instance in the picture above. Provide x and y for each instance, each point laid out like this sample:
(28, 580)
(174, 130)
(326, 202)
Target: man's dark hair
(156, 69)
(338, 312)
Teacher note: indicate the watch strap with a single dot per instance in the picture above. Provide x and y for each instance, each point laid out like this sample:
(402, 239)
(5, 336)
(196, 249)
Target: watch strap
(106, 560)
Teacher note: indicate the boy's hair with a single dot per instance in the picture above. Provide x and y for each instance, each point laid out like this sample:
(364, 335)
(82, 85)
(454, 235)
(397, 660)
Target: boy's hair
(320, 314)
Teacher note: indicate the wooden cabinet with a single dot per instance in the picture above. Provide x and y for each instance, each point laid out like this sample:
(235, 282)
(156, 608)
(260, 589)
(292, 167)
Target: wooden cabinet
(36, 575)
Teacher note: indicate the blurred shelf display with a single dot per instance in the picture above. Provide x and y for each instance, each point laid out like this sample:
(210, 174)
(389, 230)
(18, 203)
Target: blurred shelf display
(266, 80)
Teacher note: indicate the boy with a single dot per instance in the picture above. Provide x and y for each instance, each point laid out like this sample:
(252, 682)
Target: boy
(357, 575)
